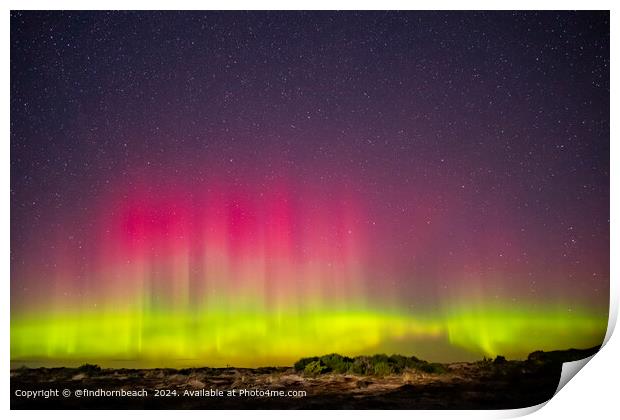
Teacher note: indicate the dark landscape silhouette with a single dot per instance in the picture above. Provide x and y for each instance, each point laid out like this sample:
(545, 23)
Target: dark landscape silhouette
(329, 382)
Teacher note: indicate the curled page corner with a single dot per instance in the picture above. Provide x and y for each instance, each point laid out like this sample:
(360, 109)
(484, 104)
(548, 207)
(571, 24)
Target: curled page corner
(613, 315)
(521, 412)
(570, 369)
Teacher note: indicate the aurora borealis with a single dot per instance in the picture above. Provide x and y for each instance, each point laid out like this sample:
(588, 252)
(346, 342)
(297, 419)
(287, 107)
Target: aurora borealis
(249, 188)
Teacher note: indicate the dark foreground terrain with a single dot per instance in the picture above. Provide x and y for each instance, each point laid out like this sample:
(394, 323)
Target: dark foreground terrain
(330, 382)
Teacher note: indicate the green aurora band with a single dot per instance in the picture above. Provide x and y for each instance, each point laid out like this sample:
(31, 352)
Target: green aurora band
(251, 336)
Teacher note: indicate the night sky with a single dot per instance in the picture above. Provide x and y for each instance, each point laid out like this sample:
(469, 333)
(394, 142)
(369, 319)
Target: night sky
(189, 185)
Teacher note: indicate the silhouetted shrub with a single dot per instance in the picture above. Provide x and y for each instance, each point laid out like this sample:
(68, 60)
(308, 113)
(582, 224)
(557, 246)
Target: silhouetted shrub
(378, 364)
(437, 368)
(378, 358)
(337, 363)
(499, 360)
(398, 362)
(382, 369)
(301, 364)
(361, 366)
(315, 368)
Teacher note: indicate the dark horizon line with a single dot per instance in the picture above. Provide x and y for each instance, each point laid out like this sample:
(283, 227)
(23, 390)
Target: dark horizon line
(589, 351)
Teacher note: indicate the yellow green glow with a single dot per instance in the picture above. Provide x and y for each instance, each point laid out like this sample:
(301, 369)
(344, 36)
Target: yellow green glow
(251, 336)
(517, 331)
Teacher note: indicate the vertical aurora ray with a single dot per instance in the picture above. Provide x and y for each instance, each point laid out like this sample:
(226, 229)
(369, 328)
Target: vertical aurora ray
(287, 198)
(185, 278)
